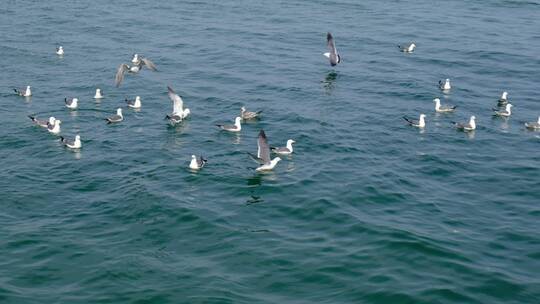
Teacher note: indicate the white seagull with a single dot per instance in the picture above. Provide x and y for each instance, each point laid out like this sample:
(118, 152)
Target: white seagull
(443, 108)
(407, 48)
(445, 86)
(333, 55)
(60, 50)
(420, 123)
(288, 149)
(504, 113)
(55, 127)
(123, 68)
(466, 126)
(72, 144)
(98, 94)
(533, 125)
(71, 103)
(43, 123)
(504, 98)
(24, 92)
(237, 127)
(197, 162)
(179, 113)
(247, 115)
(135, 59)
(115, 118)
(134, 103)
(263, 154)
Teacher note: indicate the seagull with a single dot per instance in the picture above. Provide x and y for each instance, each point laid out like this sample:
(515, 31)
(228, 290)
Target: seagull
(71, 103)
(135, 59)
(233, 128)
(246, 115)
(197, 162)
(333, 55)
(43, 123)
(263, 154)
(533, 125)
(407, 48)
(136, 103)
(179, 113)
(443, 108)
(60, 50)
(55, 127)
(504, 98)
(445, 86)
(504, 113)
(115, 118)
(72, 144)
(420, 123)
(288, 149)
(466, 126)
(98, 94)
(123, 68)
(26, 92)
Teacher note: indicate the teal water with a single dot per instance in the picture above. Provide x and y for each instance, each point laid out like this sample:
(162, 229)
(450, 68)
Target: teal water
(367, 210)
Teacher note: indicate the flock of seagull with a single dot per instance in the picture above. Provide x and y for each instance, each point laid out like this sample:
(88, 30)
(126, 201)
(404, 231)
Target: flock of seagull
(263, 156)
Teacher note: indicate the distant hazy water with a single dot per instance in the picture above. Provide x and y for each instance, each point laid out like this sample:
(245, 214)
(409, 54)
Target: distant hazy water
(367, 210)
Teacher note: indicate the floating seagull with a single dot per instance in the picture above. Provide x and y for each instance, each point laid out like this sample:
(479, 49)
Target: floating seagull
(445, 86)
(197, 162)
(115, 118)
(72, 144)
(43, 123)
(123, 68)
(136, 103)
(504, 98)
(71, 103)
(179, 113)
(98, 94)
(55, 127)
(504, 113)
(288, 149)
(466, 126)
(263, 154)
(533, 125)
(420, 123)
(233, 128)
(407, 48)
(443, 108)
(60, 50)
(333, 55)
(246, 115)
(26, 92)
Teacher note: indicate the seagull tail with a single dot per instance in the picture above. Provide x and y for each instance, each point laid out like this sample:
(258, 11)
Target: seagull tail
(32, 117)
(17, 91)
(259, 112)
(62, 139)
(219, 126)
(454, 107)
(408, 120)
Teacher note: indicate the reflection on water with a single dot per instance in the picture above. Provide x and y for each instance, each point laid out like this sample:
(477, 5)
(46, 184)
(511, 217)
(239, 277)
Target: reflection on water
(329, 82)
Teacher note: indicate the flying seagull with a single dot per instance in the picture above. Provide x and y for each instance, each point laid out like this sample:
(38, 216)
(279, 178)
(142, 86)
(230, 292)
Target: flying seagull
(288, 149)
(263, 154)
(179, 113)
(445, 86)
(115, 118)
(43, 123)
(443, 108)
(71, 103)
(123, 68)
(333, 55)
(420, 123)
(134, 103)
(23, 92)
(246, 115)
(533, 125)
(72, 144)
(470, 126)
(504, 113)
(407, 48)
(233, 128)
(197, 162)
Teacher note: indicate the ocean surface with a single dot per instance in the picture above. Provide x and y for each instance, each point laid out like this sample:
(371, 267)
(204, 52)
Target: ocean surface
(366, 210)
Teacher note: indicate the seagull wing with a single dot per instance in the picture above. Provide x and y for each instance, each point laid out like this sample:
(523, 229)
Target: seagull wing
(178, 103)
(263, 148)
(149, 64)
(122, 69)
(331, 44)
